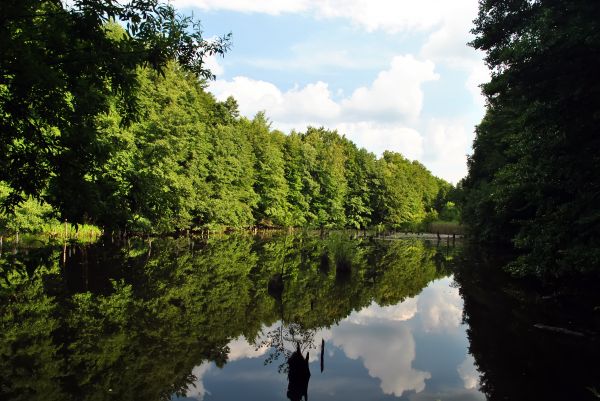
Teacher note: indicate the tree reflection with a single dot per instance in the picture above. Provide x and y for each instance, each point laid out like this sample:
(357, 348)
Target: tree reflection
(516, 359)
(134, 323)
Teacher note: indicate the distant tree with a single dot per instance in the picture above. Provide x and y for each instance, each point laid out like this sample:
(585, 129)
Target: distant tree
(271, 186)
(399, 202)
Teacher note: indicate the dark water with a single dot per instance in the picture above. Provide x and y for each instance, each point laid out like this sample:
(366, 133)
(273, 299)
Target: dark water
(218, 320)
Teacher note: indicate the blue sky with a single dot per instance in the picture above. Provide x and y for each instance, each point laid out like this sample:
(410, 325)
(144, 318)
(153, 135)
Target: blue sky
(390, 75)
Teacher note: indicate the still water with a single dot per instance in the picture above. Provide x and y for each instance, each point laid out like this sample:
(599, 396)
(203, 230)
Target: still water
(224, 319)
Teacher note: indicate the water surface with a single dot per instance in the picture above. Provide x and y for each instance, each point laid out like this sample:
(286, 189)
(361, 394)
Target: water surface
(184, 319)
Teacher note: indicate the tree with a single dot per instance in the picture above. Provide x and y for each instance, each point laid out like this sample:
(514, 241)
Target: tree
(399, 203)
(271, 186)
(60, 67)
(533, 179)
(360, 174)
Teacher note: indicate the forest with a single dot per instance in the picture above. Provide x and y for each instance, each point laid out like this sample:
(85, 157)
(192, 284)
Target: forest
(116, 129)
(533, 181)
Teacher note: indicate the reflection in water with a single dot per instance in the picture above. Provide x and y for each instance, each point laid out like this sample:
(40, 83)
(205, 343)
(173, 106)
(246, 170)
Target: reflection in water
(128, 324)
(196, 390)
(517, 360)
(468, 373)
(298, 375)
(386, 347)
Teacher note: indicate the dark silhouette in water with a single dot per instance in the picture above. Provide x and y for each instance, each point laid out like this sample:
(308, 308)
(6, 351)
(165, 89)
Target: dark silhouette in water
(275, 286)
(298, 375)
(322, 355)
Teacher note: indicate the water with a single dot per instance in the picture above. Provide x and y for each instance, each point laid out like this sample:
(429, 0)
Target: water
(193, 320)
(417, 346)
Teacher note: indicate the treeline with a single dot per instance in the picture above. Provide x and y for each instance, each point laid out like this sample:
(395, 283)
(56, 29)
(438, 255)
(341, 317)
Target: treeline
(191, 162)
(533, 180)
(110, 124)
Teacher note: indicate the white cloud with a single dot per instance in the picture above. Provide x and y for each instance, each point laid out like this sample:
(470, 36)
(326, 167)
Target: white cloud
(391, 364)
(440, 306)
(196, 390)
(403, 311)
(213, 65)
(468, 373)
(395, 94)
(448, 42)
(478, 75)
(446, 144)
(252, 95)
(240, 348)
(388, 15)
(377, 138)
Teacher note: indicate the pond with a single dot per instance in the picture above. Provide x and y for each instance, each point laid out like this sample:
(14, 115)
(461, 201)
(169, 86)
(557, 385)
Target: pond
(244, 317)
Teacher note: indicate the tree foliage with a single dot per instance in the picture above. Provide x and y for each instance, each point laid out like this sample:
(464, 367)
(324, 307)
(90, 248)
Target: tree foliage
(63, 65)
(110, 123)
(533, 180)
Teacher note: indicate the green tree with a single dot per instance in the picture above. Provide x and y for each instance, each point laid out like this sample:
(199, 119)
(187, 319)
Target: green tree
(231, 178)
(361, 178)
(399, 202)
(63, 65)
(533, 179)
(271, 186)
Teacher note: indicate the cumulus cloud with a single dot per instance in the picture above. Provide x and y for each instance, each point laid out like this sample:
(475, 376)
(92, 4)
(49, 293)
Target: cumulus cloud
(440, 306)
(196, 390)
(446, 144)
(213, 65)
(388, 15)
(377, 138)
(391, 364)
(448, 41)
(240, 348)
(468, 373)
(478, 75)
(401, 312)
(252, 95)
(395, 94)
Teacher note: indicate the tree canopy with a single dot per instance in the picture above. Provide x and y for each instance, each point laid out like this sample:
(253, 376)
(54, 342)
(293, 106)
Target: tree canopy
(62, 64)
(533, 177)
(105, 119)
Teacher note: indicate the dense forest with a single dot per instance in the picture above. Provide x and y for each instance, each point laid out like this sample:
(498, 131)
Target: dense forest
(533, 179)
(110, 124)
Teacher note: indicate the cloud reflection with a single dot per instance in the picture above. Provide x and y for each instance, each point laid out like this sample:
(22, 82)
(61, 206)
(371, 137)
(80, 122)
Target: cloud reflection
(362, 336)
(468, 373)
(240, 348)
(440, 306)
(196, 390)
(401, 312)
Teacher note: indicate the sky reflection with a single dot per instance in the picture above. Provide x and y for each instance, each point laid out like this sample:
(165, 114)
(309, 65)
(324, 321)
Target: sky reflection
(415, 350)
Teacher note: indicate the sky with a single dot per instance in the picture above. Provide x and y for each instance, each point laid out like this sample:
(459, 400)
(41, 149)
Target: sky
(388, 74)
